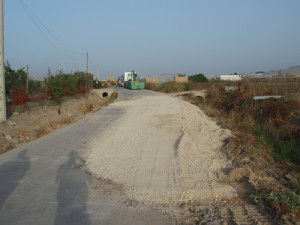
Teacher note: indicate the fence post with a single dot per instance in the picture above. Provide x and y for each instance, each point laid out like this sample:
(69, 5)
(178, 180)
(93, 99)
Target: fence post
(46, 84)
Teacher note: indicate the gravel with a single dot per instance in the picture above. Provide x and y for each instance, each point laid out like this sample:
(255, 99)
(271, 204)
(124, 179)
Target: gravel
(164, 151)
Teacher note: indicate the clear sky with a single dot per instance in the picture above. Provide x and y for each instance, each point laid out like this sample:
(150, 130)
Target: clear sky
(153, 36)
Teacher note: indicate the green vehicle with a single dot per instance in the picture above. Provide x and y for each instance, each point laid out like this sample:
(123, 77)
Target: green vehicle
(137, 84)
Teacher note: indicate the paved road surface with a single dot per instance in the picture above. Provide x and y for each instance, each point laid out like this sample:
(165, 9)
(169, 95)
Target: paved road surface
(41, 184)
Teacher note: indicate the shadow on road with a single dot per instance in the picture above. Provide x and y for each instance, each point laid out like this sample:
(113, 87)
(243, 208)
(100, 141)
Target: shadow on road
(11, 175)
(72, 194)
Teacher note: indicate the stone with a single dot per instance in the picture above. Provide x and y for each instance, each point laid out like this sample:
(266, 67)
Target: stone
(291, 179)
(11, 123)
(8, 137)
(245, 160)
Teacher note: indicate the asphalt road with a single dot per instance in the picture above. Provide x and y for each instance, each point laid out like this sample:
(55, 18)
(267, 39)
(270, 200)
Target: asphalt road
(42, 184)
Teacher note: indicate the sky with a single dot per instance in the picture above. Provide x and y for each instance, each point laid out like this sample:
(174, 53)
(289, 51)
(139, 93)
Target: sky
(152, 37)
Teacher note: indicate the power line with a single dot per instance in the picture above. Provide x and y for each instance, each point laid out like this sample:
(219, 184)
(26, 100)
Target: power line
(41, 30)
(47, 29)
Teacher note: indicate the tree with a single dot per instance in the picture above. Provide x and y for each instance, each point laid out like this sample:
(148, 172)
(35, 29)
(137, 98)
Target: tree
(198, 78)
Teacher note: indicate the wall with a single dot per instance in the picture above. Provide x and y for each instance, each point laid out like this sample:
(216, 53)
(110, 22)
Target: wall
(166, 78)
(184, 79)
(152, 80)
(231, 77)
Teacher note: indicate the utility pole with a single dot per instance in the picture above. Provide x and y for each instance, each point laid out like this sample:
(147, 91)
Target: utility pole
(2, 74)
(87, 69)
(27, 78)
(98, 77)
(87, 63)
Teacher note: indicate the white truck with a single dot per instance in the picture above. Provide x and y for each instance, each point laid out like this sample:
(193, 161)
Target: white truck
(127, 76)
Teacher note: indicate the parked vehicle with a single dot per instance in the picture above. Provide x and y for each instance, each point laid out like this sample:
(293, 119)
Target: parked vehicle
(111, 80)
(130, 80)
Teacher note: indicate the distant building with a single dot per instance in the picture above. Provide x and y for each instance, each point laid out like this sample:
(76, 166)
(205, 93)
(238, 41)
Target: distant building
(259, 73)
(231, 77)
(167, 78)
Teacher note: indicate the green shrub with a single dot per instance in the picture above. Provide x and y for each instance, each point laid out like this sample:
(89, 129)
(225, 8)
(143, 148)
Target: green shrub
(68, 84)
(55, 88)
(14, 79)
(97, 84)
(198, 78)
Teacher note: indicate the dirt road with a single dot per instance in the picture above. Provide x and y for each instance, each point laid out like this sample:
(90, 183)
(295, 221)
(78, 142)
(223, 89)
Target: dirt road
(42, 183)
(153, 156)
(164, 151)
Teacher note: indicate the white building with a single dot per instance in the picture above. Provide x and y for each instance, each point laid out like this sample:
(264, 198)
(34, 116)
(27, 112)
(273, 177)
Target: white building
(231, 77)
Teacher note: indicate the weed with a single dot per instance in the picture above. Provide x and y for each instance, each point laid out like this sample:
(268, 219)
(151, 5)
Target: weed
(88, 108)
(114, 95)
(168, 87)
(286, 199)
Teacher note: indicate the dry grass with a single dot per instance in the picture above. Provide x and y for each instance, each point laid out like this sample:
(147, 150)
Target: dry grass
(88, 108)
(169, 87)
(274, 122)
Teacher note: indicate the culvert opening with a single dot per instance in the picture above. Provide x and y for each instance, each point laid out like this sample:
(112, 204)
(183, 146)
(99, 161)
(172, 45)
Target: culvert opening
(104, 94)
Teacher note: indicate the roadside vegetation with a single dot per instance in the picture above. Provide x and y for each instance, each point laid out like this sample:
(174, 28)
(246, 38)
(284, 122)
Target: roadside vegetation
(58, 100)
(20, 88)
(271, 125)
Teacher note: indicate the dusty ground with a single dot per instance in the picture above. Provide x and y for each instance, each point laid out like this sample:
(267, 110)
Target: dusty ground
(24, 127)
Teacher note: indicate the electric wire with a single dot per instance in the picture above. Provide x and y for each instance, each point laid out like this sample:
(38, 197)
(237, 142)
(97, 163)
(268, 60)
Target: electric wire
(47, 29)
(44, 33)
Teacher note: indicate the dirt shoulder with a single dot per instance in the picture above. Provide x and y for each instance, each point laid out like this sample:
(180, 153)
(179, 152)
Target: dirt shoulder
(254, 170)
(27, 126)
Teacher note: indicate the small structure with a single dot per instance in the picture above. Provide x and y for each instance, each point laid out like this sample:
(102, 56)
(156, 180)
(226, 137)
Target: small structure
(181, 79)
(231, 77)
(152, 80)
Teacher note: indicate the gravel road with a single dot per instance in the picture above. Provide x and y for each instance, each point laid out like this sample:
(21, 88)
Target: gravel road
(164, 151)
(156, 159)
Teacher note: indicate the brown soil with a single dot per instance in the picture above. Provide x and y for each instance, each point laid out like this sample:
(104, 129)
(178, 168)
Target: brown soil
(24, 127)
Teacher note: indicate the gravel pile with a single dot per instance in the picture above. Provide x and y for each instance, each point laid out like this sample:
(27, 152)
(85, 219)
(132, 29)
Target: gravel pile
(164, 151)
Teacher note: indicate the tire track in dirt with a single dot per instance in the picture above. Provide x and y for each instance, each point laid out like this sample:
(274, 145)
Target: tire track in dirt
(227, 214)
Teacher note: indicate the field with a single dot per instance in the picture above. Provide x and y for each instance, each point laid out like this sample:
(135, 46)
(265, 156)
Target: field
(273, 122)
